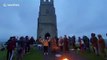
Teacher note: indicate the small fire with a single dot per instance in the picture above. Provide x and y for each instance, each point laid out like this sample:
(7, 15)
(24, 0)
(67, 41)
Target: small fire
(65, 59)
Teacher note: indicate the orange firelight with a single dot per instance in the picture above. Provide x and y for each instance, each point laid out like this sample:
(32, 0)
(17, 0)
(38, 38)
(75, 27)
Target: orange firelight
(65, 59)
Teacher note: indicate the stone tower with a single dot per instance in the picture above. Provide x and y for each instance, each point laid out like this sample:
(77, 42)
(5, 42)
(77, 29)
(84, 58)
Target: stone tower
(47, 24)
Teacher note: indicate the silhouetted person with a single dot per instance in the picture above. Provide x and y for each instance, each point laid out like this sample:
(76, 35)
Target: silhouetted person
(56, 40)
(20, 48)
(60, 43)
(53, 45)
(86, 43)
(32, 40)
(102, 45)
(81, 43)
(9, 48)
(70, 40)
(39, 43)
(94, 42)
(73, 42)
(27, 47)
(11, 44)
(66, 43)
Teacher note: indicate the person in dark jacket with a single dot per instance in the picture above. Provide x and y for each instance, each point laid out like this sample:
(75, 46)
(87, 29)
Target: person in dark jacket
(66, 44)
(27, 47)
(73, 42)
(9, 48)
(102, 45)
(21, 48)
(32, 40)
(11, 44)
(86, 43)
(94, 42)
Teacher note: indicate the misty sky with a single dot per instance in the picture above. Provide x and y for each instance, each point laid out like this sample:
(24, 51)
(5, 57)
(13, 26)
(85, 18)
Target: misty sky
(74, 17)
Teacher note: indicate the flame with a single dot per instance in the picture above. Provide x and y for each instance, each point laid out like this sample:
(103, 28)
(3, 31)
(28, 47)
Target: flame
(65, 59)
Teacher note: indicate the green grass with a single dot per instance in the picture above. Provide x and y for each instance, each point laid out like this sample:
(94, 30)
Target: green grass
(2, 55)
(90, 56)
(33, 55)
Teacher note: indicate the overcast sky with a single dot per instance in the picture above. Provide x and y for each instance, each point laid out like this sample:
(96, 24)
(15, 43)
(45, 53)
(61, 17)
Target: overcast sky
(74, 17)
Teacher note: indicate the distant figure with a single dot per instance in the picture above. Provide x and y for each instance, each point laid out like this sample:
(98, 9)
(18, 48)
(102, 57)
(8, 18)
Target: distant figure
(73, 42)
(66, 44)
(94, 42)
(70, 41)
(40, 43)
(86, 43)
(20, 48)
(60, 43)
(54, 46)
(11, 44)
(27, 47)
(32, 41)
(57, 40)
(102, 45)
(81, 44)
(45, 43)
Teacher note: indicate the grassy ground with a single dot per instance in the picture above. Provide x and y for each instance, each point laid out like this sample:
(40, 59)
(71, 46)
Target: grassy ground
(90, 56)
(34, 54)
(2, 55)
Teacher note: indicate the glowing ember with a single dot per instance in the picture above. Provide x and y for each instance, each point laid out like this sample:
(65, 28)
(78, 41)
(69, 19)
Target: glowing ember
(65, 59)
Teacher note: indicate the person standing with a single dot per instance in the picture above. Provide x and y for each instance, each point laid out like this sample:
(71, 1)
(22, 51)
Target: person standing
(31, 41)
(102, 45)
(81, 44)
(66, 44)
(13, 42)
(94, 42)
(86, 43)
(73, 42)
(60, 43)
(53, 45)
(9, 48)
(45, 43)
(20, 48)
(27, 47)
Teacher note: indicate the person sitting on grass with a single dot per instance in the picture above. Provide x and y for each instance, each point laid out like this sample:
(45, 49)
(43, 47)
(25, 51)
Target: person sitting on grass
(101, 43)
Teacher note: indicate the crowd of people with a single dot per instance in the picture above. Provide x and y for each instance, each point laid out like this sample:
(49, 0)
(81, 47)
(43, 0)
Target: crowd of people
(94, 44)
(19, 45)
